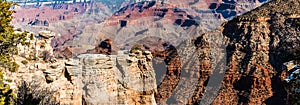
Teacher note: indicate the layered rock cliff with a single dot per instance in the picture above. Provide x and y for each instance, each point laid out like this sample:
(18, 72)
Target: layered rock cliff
(258, 44)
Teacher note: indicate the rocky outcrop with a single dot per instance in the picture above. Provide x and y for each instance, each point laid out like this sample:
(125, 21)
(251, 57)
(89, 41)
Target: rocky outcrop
(37, 65)
(125, 78)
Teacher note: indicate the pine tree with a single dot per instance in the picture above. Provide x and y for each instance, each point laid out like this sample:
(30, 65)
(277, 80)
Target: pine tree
(8, 39)
(8, 47)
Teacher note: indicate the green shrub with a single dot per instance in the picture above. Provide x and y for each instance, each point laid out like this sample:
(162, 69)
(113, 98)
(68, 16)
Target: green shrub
(31, 93)
(136, 48)
(7, 62)
(8, 80)
(13, 67)
(25, 62)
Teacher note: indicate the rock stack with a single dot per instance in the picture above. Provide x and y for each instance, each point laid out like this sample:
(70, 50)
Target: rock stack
(126, 78)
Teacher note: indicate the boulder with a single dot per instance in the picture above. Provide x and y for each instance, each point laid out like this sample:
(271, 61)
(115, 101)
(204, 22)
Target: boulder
(46, 34)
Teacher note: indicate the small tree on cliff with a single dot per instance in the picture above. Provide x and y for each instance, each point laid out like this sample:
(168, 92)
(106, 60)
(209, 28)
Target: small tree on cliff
(8, 39)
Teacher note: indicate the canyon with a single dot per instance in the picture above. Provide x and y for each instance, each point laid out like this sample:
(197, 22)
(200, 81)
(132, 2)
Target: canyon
(182, 57)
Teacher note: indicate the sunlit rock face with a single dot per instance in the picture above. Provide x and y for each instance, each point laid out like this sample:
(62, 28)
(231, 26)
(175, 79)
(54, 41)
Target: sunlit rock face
(121, 79)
